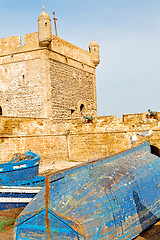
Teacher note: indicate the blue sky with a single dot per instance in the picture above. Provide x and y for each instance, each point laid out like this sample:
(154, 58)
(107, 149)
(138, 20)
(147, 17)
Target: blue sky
(128, 32)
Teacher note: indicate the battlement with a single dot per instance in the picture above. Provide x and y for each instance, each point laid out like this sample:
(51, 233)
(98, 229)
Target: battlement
(140, 118)
(14, 44)
(105, 123)
(10, 43)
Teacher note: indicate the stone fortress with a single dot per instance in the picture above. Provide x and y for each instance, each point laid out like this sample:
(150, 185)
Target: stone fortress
(47, 94)
(47, 77)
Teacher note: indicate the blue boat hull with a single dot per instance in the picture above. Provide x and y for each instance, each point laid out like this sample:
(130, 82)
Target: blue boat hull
(12, 202)
(15, 197)
(111, 198)
(19, 183)
(18, 175)
(20, 169)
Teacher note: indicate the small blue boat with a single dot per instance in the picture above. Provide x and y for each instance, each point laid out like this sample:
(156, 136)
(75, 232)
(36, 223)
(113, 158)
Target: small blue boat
(114, 197)
(19, 183)
(16, 197)
(13, 199)
(21, 167)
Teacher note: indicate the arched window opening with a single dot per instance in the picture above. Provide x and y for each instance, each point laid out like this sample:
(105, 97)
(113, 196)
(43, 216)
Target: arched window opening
(0, 111)
(82, 109)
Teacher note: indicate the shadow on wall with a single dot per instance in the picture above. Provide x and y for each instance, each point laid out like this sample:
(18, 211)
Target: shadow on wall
(155, 150)
(143, 213)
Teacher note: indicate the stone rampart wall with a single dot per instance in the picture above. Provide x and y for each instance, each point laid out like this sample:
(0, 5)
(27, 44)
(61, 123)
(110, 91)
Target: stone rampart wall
(74, 139)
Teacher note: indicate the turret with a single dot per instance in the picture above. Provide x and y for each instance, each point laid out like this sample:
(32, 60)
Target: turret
(94, 50)
(44, 29)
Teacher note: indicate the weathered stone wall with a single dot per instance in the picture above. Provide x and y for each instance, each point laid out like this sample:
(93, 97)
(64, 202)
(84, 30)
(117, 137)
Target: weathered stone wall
(21, 91)
(72, 74)
(108, 135)
(23, 78)
(71, 87)
(22, 134)
(74, 139)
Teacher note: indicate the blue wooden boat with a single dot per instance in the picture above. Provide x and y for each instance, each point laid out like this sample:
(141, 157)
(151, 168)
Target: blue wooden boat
(116, 197)
(19, 193)
(13, 199)
(21, 167)
(19, 183)
(15, 196)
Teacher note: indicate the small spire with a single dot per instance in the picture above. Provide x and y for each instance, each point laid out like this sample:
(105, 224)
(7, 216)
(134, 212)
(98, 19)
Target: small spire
(43, 9)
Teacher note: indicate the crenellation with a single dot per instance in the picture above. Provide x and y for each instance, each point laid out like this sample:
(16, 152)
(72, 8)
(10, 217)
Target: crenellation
(10, 44)
(31, 41)
(13, 45)
(139, 118)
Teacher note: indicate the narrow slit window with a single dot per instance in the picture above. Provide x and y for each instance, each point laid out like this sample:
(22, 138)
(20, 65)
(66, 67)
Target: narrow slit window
(0, 111)
(82, 109)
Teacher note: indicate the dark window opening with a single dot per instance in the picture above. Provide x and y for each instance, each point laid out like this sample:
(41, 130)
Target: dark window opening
(72, 111)
(45, 24)
(23, 76)
(82, 108)
(0, 110)
(155, 150)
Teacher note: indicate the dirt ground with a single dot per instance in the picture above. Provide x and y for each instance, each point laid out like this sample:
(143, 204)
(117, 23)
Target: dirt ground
(152, 233)
(7, 235)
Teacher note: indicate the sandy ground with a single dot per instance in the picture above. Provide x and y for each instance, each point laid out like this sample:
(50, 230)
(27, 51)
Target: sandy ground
(7, 235)
(55, 166)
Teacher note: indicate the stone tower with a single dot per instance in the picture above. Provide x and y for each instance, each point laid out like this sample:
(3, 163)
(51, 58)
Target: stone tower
(48, 77)
(44, 29)
(94, 50)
